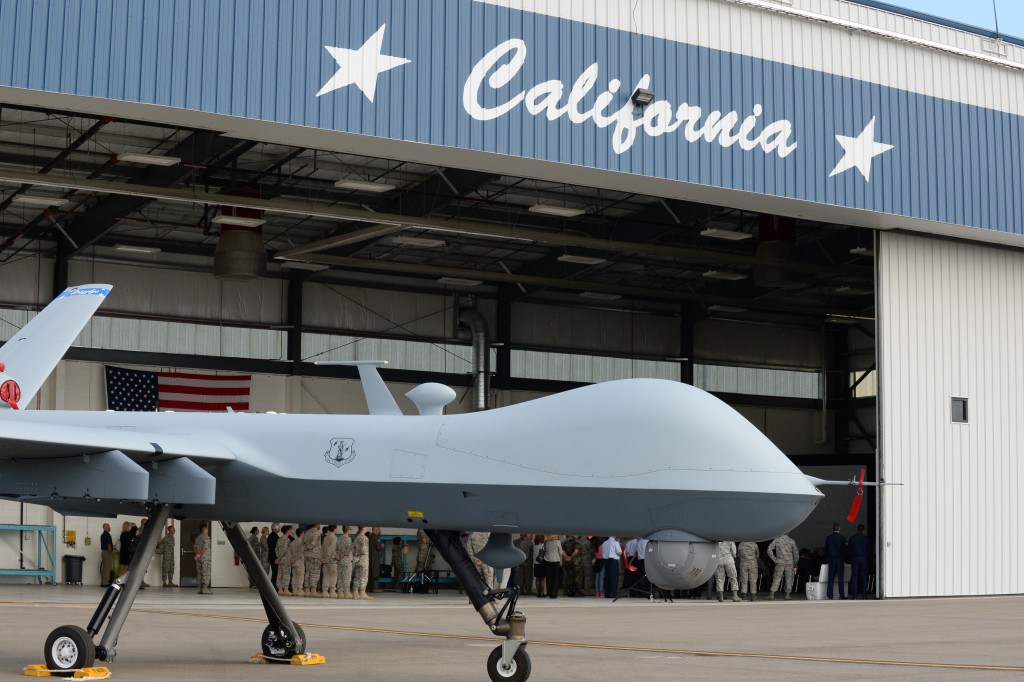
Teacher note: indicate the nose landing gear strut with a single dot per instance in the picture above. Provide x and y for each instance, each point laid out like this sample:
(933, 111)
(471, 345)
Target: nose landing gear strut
(508, 662)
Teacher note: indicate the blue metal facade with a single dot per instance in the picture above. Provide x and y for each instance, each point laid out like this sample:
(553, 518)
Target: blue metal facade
(266, 59)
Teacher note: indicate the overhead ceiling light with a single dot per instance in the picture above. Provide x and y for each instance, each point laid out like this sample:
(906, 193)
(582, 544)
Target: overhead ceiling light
(727, 309)
(148, 159)
(459, 281)
(364, 186)
(722, 274)
(560, 211)
(853, 291)
(237, 220)
(41, 202)
(299, 265)
(862, 251)
(582, 260)
(132, 248)
(419, 241)
(600, 295)
(843, 319)
(730, 235)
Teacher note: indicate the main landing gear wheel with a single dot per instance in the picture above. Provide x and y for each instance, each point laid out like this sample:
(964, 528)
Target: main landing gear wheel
(517, 671)
(69, 648)
(278, 646)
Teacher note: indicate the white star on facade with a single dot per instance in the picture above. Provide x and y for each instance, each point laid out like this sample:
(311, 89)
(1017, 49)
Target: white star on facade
(361, 67)
(859, 151)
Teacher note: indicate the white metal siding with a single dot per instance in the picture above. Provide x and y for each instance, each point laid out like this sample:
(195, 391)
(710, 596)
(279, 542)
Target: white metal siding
(951, 320)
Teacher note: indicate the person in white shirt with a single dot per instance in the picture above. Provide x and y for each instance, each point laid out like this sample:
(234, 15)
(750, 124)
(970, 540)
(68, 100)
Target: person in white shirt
(611, 550)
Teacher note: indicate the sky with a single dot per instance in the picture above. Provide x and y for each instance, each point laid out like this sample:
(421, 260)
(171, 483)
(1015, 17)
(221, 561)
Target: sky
(974, 12)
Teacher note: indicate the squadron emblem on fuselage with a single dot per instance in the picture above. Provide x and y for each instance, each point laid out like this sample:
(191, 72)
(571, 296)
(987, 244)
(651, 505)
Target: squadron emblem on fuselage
(342, 451)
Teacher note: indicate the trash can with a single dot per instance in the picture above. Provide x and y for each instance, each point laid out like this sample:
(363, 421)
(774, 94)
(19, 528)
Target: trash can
(73, 569)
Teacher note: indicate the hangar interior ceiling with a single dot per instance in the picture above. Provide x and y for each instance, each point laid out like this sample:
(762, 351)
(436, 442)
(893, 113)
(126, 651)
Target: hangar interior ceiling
(426, 228)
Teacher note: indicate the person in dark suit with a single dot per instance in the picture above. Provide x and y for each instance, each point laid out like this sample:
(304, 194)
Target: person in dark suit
(835, 551)
(106, 556)
(860, 554)
(272, 551)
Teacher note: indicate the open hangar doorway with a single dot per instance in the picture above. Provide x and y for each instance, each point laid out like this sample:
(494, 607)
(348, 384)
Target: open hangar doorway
(575, 284)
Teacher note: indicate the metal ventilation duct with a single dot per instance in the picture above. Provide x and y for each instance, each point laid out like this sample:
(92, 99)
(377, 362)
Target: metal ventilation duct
(481, 374)
(240, 253)
(776, 242)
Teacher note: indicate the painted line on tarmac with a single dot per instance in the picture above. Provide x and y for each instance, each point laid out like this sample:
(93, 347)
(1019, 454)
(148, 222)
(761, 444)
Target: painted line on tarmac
(612, 647)
(568, 645)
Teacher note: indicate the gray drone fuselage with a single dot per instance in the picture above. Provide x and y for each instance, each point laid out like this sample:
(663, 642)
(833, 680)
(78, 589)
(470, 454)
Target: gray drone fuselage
(632, 458)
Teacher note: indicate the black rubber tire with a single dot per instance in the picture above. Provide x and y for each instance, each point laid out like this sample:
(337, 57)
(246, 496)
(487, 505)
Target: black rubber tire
(278, 647)
(519, 672)
(69, 648)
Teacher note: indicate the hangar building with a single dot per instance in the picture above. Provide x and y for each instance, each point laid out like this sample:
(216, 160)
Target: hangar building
(811, 208)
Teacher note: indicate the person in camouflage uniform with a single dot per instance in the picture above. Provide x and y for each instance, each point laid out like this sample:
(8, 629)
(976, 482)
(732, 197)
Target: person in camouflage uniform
(204, 560)
(329, 561)
(726, 568)
(477, 541)
(284, 566)
(573, 566)
(296, 558)
(784, 552)
(425, 552)
(587, 557)
(344, 554)
(524, 571)
(264, 554)
(376, 551)
(397, 562)
(360, 564)
(312, 553)
(748, 552)
(254, 544)
(167, 551)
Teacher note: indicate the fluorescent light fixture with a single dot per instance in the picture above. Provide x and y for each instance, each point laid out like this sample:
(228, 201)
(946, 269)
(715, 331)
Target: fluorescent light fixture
(559, 211)
(132, 248)
(459, 281)
(364, 186)
(722, 274)
(299, 265)
(853, 291)
(149, 159)
(641, 97)
(424, 242)
(730, 235)
(842, 319)
(838, 318)
(237, 220)
(727, 309)
(861, 251)
(41, 202)
(582, 260)
(600, 296)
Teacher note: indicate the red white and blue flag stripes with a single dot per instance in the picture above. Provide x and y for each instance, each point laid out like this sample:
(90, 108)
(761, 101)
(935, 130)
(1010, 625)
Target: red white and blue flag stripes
(133, 390)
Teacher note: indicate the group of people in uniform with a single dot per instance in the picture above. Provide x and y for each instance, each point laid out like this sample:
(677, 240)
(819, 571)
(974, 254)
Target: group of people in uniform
(782, 551)
(318, 561)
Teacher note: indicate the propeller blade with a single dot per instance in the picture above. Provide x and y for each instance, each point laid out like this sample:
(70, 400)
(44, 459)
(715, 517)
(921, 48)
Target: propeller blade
(855, 506)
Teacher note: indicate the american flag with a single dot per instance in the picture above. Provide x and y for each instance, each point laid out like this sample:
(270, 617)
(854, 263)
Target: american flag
(133, 390)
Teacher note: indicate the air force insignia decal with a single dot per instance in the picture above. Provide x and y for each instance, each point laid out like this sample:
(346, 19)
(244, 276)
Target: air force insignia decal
(342, 451)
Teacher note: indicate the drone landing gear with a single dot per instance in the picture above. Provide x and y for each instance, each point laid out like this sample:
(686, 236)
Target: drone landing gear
(508, 662)
(70, 648)
(283, 641)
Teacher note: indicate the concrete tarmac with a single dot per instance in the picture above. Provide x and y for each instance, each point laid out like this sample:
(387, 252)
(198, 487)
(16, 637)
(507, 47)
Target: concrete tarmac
(176, 634)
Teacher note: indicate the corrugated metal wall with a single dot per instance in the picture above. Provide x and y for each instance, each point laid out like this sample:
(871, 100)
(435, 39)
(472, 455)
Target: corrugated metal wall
(797, 84)
(951, 320)
(733, 26)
